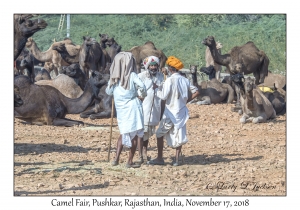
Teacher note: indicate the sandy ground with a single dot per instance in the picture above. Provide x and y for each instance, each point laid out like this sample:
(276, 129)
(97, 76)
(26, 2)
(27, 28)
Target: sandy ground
(222, 157)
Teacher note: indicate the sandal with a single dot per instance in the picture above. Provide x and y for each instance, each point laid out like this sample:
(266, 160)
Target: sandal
(156, 162)
(141, 160)
(114, 163)
(175, 164)
(132, 165)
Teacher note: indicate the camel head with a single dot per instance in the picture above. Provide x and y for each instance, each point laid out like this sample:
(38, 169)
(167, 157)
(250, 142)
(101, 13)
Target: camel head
(193, 69)
(88, 41)
(219, 45)
(24, 62)
(59, 46)
(238, 78)
(249, 84)
(110, 42)
(26, 27)
(210, 71)
(209, 41)
(96, 81)
(103, 37)
(17, 99)
(71, 70)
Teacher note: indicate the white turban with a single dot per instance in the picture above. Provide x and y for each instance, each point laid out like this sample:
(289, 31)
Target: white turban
(148, 60)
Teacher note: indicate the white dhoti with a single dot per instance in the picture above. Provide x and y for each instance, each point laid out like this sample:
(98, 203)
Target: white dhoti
(127, 137)
(175, 137)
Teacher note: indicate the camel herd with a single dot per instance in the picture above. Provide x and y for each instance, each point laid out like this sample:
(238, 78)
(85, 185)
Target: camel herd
(74, 77)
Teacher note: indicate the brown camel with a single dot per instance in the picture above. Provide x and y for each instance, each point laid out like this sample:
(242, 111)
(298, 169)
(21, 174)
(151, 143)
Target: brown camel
(46, 105)
(108, 60)
(277, 99)
(210, 61)
(143, 51)
(17, 98)
(46, 56)
(211, 91)
(113, 48)
(255, 106)
(41, 74)
(23, 29)
(246, 58)
(76, 73)
(91, 57)
(65, 84)
(278, 79)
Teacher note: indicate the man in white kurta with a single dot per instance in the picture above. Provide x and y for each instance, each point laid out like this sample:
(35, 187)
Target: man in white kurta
(175, 91)
(124, 85)
(151, 103)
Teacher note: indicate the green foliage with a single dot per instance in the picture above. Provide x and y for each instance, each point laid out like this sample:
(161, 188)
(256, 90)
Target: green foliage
(179, 35)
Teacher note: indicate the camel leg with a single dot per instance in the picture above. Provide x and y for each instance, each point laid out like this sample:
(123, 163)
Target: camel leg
(66, 122)
(244, 118)
(257, 77)
(94, 110)
(259, 119)
(205, 101)
(105, 114)
(238, 95)
(217, 75)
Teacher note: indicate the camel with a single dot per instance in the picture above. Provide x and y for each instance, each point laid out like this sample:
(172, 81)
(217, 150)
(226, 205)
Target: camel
(49, 66)
(103, 103)
(113, 48)
(211, 91)
(65, 84)
(28, 65)
(45, 105)
(277, 100)
(246, 58)
(41, 74)
(46, 56)
(210, 61)
(30, 59)
(91, 57)
(23, 29)
(76, 73)
(255, 106)
(17, 99)
(103, 40)
(143, 51)
(278, 79)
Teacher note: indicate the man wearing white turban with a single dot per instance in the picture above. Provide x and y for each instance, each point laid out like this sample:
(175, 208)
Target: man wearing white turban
(126, 87)
(151, 103)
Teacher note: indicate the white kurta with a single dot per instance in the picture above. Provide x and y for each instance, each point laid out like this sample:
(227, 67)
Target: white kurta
(175, 92)
(128, 106)
(150, 105)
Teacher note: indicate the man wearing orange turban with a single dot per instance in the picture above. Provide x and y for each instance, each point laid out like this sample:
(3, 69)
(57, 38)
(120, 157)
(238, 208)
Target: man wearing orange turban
(175, 91)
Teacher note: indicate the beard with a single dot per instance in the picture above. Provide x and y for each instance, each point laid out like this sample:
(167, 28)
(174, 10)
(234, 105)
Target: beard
(153, 71)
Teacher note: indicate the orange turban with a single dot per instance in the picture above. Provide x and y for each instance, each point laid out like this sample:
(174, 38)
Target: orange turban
(174, 62)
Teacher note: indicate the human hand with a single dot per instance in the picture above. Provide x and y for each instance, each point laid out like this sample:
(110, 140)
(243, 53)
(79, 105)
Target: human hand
(154, 86)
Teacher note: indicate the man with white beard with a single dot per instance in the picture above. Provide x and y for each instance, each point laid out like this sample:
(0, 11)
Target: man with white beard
(151, 103)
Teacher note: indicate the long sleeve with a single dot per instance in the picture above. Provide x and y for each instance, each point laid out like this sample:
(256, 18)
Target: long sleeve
(140, 85)
(166, 88)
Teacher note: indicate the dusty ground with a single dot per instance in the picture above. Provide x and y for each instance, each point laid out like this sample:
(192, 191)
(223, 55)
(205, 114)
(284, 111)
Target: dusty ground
(221, 158)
